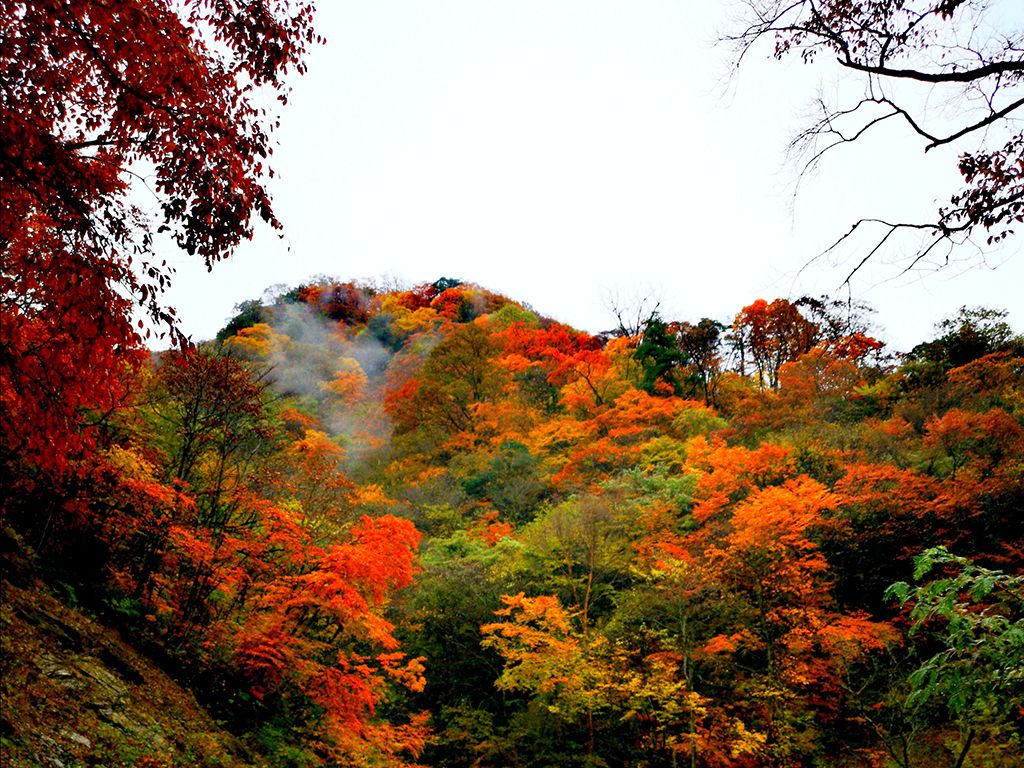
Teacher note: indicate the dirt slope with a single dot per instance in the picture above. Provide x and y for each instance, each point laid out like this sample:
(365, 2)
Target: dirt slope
(74, 693)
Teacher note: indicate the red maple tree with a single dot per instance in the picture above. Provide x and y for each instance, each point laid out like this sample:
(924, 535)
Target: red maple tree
(100, 100)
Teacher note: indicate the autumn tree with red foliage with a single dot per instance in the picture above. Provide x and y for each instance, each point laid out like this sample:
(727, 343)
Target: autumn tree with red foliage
(770, 334)
(314, 634)
(341, 302)
(92, 94)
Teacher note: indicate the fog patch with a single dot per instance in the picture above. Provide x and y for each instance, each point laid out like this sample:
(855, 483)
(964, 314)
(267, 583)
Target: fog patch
(337, 377)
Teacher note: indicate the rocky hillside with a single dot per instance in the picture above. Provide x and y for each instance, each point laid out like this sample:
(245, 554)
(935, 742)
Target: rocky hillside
(75, 693)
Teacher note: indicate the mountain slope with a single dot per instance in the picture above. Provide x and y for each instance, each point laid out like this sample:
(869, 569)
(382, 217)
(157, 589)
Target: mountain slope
(76, 693)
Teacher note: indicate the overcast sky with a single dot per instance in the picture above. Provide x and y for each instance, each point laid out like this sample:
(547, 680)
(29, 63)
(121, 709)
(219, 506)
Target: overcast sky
(568, 152)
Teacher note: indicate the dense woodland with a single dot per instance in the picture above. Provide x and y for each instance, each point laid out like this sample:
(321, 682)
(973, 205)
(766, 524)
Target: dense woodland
(380, 527)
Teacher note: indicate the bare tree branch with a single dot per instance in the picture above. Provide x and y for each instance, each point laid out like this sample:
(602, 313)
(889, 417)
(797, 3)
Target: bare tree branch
(994, 117)
(932, 44)
(960, 76)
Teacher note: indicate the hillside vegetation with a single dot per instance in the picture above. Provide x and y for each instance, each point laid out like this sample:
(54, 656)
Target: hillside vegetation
(75, 693)
(373, 527)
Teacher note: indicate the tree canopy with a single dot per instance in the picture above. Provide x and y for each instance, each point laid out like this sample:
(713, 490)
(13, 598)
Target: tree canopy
(120, 123)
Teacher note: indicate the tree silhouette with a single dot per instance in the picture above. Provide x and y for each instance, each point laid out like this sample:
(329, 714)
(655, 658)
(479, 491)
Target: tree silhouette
(907, 55)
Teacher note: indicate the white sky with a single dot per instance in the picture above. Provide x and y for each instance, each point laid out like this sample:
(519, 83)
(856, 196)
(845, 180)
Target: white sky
(565, 151)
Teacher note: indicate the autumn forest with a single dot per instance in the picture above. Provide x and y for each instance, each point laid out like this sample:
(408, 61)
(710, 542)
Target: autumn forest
(382, 524)
(377, 526)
